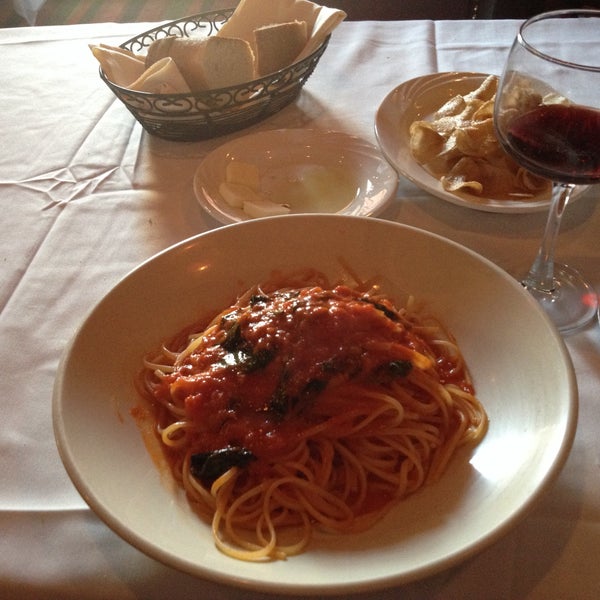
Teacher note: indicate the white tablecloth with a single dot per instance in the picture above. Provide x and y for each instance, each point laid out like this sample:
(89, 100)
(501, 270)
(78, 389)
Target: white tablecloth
(85, 196)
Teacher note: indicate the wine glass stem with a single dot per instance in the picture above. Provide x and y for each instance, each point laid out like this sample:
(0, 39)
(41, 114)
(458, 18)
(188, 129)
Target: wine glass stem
(541, 274)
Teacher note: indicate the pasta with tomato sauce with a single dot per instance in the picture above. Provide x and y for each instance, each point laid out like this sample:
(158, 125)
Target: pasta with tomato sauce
(308, 406)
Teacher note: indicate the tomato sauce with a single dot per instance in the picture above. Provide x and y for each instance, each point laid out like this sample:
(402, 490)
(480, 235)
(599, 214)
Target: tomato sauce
(258, 376)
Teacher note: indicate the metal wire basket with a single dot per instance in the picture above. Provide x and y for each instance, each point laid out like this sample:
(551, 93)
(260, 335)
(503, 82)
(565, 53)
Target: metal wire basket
(192, 117)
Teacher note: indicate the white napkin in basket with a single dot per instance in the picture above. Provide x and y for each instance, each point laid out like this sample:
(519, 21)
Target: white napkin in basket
(119, 65)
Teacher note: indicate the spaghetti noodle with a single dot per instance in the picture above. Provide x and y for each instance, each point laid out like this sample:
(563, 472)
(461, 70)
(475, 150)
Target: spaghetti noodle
(311, 406)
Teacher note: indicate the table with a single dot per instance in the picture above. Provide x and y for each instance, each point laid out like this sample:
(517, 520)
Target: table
(86, 196)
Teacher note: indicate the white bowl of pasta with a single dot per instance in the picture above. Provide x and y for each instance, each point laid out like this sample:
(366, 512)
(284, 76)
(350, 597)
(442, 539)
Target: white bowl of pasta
(458, 493)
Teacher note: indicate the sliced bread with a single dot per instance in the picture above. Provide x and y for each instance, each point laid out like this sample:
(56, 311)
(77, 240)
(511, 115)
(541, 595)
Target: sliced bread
(188, 55)
(277, 45)
(206, 63)
(226, 62)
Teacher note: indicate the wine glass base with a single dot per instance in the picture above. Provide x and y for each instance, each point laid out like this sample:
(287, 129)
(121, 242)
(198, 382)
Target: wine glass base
(572, 303)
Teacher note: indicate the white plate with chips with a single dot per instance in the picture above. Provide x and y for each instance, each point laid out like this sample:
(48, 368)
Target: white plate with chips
(307, 170)
(417, 99)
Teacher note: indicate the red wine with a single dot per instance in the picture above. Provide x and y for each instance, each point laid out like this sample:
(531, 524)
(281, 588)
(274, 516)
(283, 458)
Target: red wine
(558, 142)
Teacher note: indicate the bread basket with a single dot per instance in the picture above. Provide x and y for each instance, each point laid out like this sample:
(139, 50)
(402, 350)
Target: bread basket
(192, 117)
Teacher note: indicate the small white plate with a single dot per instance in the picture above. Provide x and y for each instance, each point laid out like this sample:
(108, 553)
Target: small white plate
(519, 363)
(417, 99)
(361, 181)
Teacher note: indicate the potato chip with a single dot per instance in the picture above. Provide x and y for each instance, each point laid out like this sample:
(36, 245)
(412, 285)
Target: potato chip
(464, 175)
(458, 145)
(425, 142)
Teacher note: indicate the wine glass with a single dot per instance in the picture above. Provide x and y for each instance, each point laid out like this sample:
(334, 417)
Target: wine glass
(547, 117)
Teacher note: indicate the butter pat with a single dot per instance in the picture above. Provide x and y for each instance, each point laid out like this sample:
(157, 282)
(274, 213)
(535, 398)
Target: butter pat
(243, 173)
(235, 194)
(241, 189)
(261, 207)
